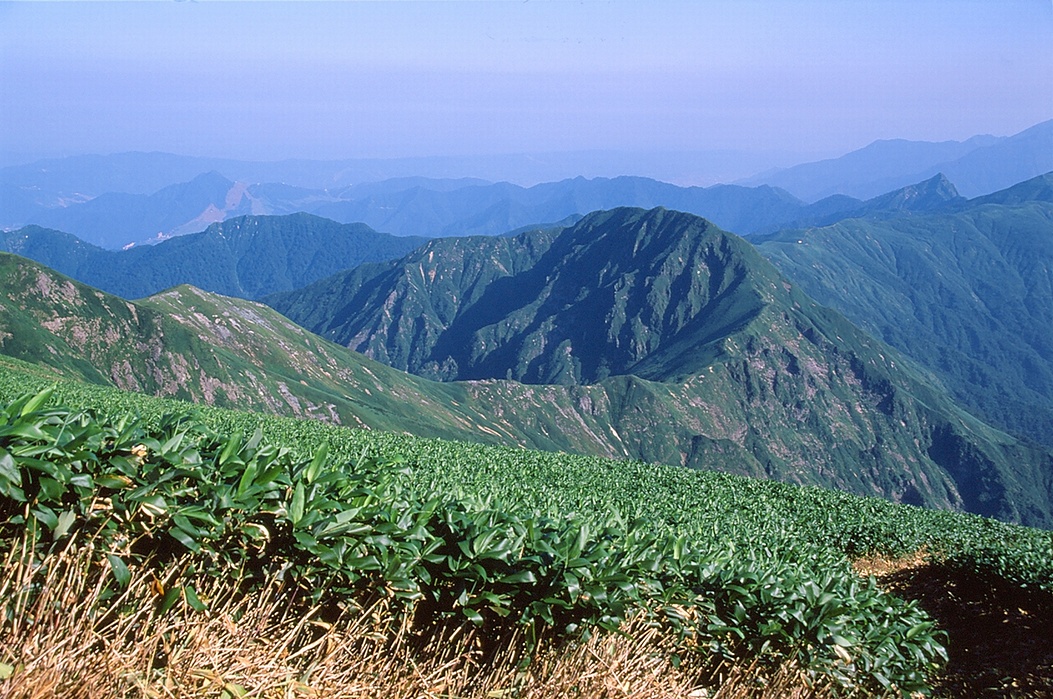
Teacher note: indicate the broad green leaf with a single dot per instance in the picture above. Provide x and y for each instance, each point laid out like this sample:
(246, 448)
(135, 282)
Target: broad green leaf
(297, 504)
(24, 430)
(168, 599)
(317, 463)
(230, 448)
(46, 516)
(193, 600)
(113, 480)
(254, 441)
(119, 569)
(233, 691)
(173, 443)
(50, 489)
(82, 480)
(248, 476)
(522, 577)
(64, 522)
(37, 401)
(185, 539)
(9, 469)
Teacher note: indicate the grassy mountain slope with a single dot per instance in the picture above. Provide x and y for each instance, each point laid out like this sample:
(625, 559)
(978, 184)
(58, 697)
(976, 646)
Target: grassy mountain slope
(246, 257)
(188, 344)
(570, 306)
(691, 349)
(790, 403)
(969, 295)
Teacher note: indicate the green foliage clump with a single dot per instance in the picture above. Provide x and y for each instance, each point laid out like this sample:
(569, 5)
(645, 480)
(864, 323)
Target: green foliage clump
(355, 531)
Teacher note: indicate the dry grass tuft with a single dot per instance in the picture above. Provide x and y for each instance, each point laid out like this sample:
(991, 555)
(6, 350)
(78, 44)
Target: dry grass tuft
(58, 639)
(879, 565)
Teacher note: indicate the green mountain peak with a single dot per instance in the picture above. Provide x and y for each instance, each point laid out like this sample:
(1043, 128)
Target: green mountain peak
(686, 346)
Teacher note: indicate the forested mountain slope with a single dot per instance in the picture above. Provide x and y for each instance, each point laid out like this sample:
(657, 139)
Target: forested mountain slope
(687, 343)
(248, 256)
(967, 294)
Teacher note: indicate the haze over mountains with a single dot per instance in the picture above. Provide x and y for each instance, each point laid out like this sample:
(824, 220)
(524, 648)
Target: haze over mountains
(404, 207)
(147, 172)
(977, 166)
(112, 201)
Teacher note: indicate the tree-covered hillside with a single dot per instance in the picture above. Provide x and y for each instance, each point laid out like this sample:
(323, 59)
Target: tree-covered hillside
(247, 257)
(969, 295)
(689, 344)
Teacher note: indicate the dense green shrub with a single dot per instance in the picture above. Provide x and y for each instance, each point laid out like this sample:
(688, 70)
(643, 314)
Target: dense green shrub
(150, 493)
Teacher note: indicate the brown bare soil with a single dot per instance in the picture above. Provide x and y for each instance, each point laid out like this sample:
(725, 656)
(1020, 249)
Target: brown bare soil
(1000, 639)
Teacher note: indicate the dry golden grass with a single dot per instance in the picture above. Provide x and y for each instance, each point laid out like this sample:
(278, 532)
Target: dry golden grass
(879, 565)
(56, 640)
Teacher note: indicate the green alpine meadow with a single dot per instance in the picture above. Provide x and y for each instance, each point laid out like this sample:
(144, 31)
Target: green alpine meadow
(169, 513)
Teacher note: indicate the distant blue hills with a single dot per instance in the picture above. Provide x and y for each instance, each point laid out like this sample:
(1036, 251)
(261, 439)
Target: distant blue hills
(980, 165)
(134, 198)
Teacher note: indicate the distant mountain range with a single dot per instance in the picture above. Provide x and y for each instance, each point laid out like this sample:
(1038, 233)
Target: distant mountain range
(196, 259)
(248, 256)
(407, 207)
(86, 176)
(114, 201)
(937, 194)
(445, 208)
(978, 166)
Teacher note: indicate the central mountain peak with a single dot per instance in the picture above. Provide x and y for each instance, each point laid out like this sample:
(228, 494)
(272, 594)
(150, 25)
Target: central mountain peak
(627, 291)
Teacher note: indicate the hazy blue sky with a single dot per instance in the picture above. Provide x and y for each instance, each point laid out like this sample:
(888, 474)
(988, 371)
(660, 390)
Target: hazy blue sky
(385, 79)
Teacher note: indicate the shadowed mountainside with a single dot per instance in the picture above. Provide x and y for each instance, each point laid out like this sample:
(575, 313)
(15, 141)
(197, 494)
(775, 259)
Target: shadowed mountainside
(710, 348)
(246, 257)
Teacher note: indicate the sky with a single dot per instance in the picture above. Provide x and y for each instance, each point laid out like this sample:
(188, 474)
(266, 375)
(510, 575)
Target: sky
(331, 80)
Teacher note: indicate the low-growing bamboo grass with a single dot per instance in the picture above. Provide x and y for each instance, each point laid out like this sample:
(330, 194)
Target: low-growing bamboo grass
(61, 637)
(205, 556)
